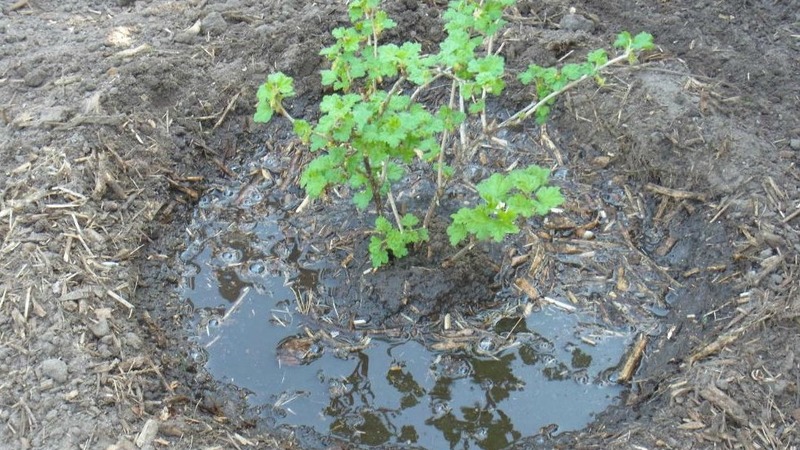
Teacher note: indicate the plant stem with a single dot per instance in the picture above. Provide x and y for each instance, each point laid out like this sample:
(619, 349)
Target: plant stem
(373, 185)
(390, 94)
(530, 110)
(390, 196)
(440, 170)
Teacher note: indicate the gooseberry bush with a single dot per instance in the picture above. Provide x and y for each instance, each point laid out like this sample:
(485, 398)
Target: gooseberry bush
(373, 126)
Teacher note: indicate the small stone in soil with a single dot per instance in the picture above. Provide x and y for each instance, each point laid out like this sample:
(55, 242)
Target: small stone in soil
(55, 369)
(214, 24)
(576, 22)
(100, 328)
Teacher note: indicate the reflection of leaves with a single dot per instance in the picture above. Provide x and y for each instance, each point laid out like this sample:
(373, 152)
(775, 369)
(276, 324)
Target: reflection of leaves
(408, 434)
(580, 359)
(498, 373)
(528, 355)
(373, 431)
(405, 383)
(495, 425)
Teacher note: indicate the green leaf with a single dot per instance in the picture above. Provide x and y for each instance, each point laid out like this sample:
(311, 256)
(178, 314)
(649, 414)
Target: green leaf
(529, 179)
(643, 41)
(477, 107)
(362, 198)
(597, 57)
(329, 77)
(548, 198)
(623, 40)
(383, 225)
(302, 129)
(457, 231)
(575, 71)
(409, 221)
(452, 118)
(494, 189)
(378, 254)
(520, 205)
(263, 113)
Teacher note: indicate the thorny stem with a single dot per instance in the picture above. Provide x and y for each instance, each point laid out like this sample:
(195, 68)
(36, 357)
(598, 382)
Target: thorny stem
(390, 196)
(531, 109)
(373, 185)
(391, 93)
(440, 170)
(484, 124)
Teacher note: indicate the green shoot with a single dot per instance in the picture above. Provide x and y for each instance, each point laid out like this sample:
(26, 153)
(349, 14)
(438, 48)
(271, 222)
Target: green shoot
(372, 127)
(522, 193)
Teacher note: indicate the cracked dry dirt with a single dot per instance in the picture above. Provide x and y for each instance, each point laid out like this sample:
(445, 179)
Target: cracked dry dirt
(116, 116)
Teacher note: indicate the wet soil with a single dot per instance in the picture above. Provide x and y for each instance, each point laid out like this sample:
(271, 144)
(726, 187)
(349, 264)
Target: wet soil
(118, 116)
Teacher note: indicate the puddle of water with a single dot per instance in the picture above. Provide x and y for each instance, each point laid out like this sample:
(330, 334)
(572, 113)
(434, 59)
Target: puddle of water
(243, 284)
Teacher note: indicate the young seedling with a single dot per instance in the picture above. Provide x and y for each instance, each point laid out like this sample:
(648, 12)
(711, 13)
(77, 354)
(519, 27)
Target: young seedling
(372, 125)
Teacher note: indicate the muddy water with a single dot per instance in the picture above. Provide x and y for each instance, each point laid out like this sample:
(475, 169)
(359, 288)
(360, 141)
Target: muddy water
(535, 375)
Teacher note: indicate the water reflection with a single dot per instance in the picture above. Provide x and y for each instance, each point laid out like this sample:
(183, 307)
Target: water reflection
(486, 395)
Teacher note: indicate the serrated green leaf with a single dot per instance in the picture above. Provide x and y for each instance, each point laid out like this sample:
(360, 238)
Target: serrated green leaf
(302, 129)
(452, 118)
(542, 114)
(597, 57)
(643, 41)
(457, 231)
(494, 189)
(383, 225)
(329, 77)
(520, 205)
(530, 178)
(409, 220)
(477, 107)
(548, 198)
(362, 198)
(378, 254)
(575, 71)
(394, 172)
(263, 113)
(396, 243)
(527, 76)
(623, 40)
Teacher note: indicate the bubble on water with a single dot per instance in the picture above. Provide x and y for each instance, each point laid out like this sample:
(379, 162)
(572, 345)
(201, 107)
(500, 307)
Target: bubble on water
(452, 366)
(608, 377)
(543, 346)
(581, 377)
(481, 433)
(230, 256)
(549, 360)
(205, 201)
(252, 198)
(257, 268)
(213, 323)
(486, 345)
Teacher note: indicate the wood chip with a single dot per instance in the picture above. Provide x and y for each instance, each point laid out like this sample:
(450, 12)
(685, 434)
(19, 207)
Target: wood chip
(527, 288)
(724, 402)
(713, 347)
(633, 359)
